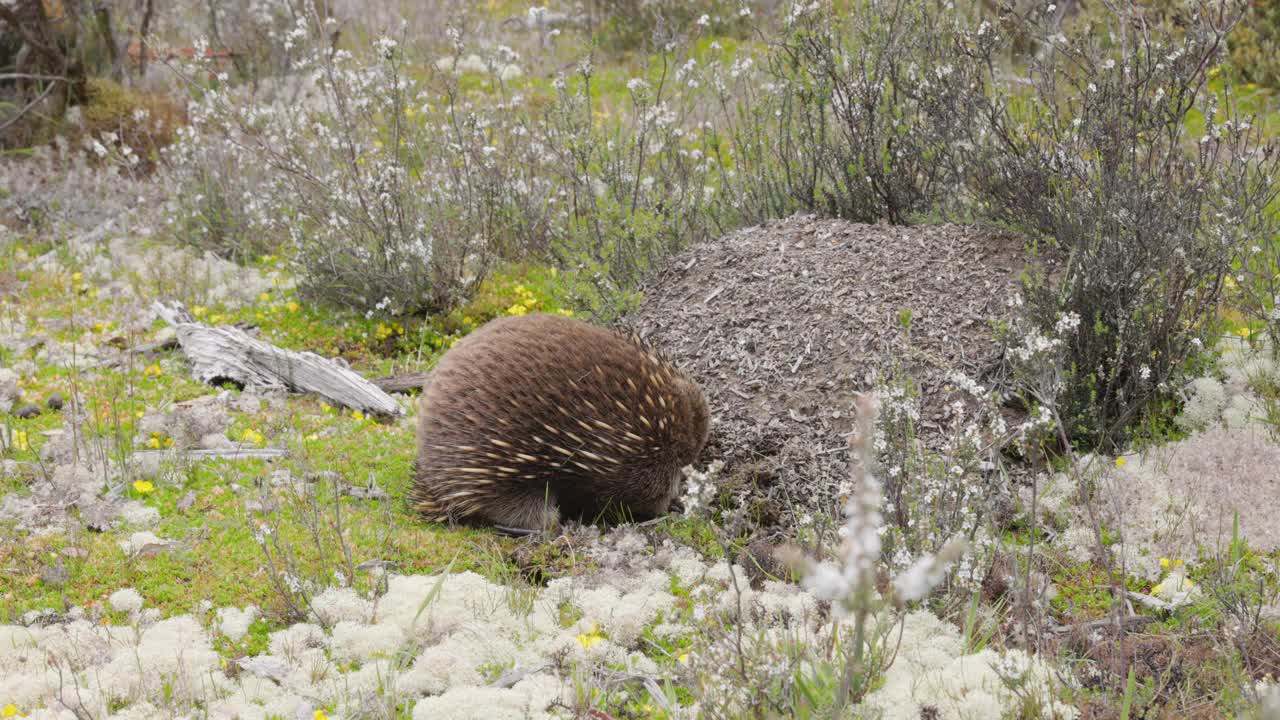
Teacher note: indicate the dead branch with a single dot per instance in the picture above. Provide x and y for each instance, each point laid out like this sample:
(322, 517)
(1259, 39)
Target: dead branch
(229, 353)
(409, 382)
(207, 454)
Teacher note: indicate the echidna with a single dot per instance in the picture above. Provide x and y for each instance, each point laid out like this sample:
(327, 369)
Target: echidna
(535, 416)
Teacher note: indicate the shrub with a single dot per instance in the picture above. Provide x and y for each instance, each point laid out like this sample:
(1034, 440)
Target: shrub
(1253, 44)
(858, 113)
(634, 189)
(1097, 159)
(385, 191)
(395, 190)
(143, 122)
(631, 24)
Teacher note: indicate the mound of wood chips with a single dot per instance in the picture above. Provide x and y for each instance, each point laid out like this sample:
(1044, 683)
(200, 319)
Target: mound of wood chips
(783, 323)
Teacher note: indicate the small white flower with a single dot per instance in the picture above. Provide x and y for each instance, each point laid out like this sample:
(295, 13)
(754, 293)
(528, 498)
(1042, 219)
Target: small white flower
(385, 47)
(704, 21)
(1067, 323)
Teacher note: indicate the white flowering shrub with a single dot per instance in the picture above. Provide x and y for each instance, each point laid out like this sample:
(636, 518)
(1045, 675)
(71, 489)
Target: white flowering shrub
(856, 112)
(1098, 158)
(954, 491)
(394, 191)
(385, 191)
(1254, 283)
(627, 192)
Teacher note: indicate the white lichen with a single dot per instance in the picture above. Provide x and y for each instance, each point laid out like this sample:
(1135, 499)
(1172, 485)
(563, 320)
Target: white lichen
(234, 623)
(126, 600)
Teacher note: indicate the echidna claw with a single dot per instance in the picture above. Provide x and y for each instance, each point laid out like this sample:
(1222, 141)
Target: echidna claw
(516, 532)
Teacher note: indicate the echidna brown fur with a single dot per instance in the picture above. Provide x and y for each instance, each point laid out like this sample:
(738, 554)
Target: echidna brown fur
(535, 417)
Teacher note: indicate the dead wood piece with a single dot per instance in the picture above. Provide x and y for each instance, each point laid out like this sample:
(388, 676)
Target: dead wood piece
(206, 454)
(409, 382)
(1132, 623)
(229, 353)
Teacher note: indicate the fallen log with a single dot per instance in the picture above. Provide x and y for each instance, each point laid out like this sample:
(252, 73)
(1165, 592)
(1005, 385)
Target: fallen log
(229, 353)
(267, 453)
(409, 382)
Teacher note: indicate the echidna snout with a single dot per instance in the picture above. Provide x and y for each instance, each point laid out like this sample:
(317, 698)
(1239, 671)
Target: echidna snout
(534, 417)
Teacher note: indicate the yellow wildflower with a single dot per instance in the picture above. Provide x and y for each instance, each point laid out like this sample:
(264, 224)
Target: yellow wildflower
(251, 436)
(683, 659)
(293, 306)
(77, 277)
(1164, 563)
(1244, 332)
(142, 487)
(9, 710)
(319, 715)
(517, 309)
(20, 440)
(357, 415)
(313, 437)
(159, 440)
(410, 112)
(1120, 462)
(99, 327)
(153, 370)
(264, 297)
(565, 312)
(586, 640)
(199, 311)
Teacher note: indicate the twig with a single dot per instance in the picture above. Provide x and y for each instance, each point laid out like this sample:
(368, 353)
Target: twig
(9, 123)
(29, 76)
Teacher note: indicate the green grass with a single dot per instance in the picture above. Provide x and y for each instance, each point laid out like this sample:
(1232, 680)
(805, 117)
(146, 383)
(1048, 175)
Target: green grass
(210, 510)
(215, 555)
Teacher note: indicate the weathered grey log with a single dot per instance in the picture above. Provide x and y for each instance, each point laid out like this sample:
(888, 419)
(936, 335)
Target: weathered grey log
(229, 353)
(410, 382)
(221, 454)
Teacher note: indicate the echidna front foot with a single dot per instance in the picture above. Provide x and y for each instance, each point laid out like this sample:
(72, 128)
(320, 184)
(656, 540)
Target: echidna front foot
(525, 513)
(517, 532)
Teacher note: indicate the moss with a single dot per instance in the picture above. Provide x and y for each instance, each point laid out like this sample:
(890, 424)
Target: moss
(144, 121)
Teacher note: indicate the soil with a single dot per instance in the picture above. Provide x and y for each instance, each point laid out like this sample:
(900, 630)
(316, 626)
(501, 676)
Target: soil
(783, 323)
